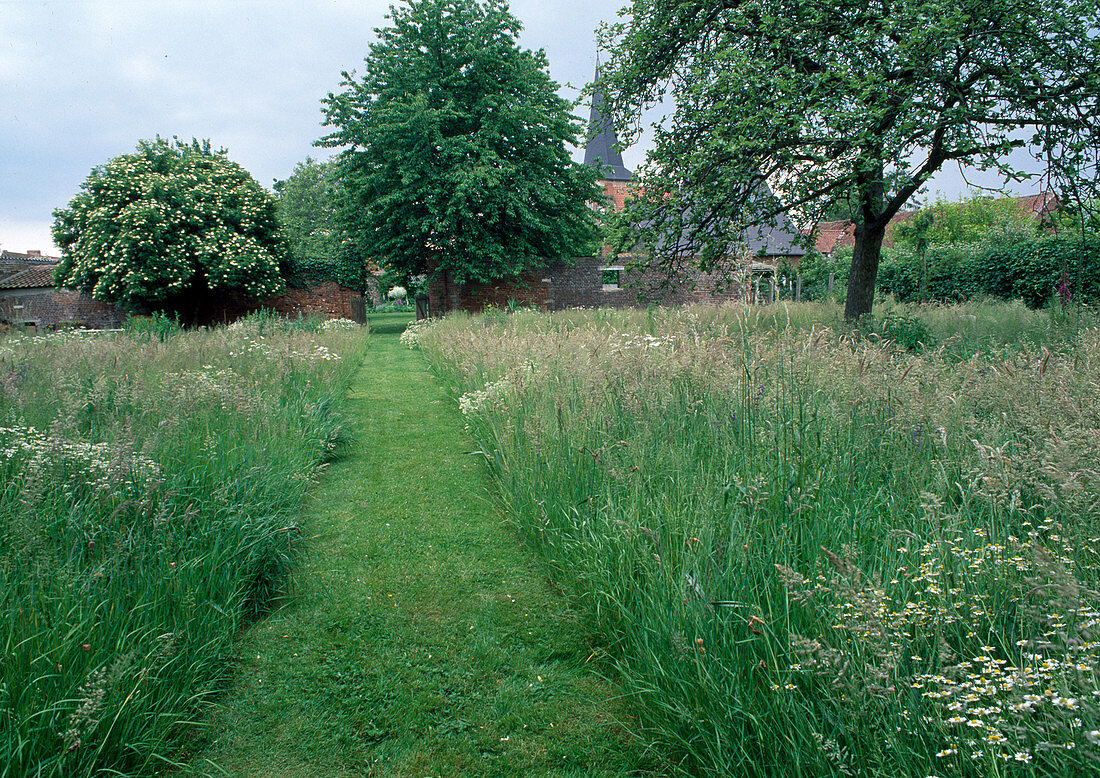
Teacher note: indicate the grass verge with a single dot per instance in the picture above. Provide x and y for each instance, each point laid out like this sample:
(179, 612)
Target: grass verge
(422, 639)
(813, 551)
(150, 488)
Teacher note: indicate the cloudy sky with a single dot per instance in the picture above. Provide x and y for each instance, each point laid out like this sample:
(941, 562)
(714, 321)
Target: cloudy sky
(81, 81)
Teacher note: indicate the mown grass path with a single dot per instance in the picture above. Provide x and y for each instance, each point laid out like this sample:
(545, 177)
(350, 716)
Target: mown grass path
(422, 639)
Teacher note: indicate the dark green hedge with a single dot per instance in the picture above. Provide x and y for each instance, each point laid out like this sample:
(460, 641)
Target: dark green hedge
(1013, 264)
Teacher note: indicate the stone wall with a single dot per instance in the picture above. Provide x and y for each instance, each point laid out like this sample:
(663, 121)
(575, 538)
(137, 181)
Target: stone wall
(50, 307)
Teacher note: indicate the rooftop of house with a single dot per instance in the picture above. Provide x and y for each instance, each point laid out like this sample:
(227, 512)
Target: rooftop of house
(26, 271)
(32, 255)
(603, 150)
(769, 241)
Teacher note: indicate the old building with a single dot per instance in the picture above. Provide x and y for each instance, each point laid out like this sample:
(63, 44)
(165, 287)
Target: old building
(28, 298)
(623, 280)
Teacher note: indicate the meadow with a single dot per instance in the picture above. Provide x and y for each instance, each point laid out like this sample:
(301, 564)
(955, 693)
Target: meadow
(150, 489)
(805, 549)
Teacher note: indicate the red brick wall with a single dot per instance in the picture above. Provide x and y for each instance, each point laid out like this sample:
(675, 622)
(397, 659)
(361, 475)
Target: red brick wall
(580, 285)
(325, 298)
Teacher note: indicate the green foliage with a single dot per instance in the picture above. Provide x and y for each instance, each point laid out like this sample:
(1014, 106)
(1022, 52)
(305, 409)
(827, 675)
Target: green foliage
(1009, 263)
(309, 206)
(169, 227)
(455, 148)
(830, 105)
(950, 275)
(909, 332)
(150, 493)
(155, 327)
(965, 221)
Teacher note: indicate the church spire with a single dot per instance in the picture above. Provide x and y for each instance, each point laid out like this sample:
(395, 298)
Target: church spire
(602, 149)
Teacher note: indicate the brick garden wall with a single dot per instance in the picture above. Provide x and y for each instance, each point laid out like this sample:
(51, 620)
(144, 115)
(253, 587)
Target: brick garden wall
(579, 285)
(325, 298)
(50, 307)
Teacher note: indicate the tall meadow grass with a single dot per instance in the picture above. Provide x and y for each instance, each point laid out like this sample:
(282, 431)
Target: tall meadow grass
(804, 549)
(150, 486)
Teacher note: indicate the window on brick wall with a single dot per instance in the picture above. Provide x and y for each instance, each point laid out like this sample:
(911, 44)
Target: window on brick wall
(611, 277)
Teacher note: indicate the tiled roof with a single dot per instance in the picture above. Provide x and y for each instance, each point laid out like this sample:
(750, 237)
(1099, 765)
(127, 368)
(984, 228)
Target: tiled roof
(30, 256)
(25, 275)
(833, 235)
(776, 237)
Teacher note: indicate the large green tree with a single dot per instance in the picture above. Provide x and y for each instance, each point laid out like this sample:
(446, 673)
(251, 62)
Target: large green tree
(454, 147)
(169, 227)
(824, 99)
(310, 207)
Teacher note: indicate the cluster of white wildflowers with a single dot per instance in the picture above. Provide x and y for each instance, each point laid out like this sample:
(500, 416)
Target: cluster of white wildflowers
(414, 332)
(250, 345)
(338, 324)
(1013, 710)
(633, 342)
(318, 353)
(491, 398)
(1043, 697)
(222, 387)
(98, 465)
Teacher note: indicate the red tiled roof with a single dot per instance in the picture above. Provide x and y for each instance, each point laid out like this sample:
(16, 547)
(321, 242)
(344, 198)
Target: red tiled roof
(834, 235)
(26, 275)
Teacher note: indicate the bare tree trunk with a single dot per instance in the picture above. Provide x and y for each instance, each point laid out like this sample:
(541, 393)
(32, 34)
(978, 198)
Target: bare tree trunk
(861, 279)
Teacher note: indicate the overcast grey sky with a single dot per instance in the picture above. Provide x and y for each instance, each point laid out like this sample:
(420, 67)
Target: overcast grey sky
(81, 81)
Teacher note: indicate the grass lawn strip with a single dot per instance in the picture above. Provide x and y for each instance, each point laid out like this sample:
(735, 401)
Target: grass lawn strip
(422, 639)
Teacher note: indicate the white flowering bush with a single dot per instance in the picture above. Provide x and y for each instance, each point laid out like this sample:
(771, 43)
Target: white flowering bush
(397, 293)
(166, 227)
(414, 332)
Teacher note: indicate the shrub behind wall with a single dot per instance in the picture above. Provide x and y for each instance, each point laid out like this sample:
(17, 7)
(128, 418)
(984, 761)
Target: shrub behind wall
(1008, 265)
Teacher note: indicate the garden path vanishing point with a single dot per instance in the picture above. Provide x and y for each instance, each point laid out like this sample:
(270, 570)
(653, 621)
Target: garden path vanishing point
(421, 639)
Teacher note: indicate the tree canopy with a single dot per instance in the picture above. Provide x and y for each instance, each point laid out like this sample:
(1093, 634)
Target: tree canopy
(309, 205)
(964, 221)
(454, 151)
(166, 228)
(823, 101)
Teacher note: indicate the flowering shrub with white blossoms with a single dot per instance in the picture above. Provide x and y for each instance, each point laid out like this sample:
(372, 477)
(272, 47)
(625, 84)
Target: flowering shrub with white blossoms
(167, 223)
(397, 293)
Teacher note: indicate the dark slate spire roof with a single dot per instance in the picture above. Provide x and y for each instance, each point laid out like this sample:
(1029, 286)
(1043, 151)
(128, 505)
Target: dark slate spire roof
(602, 149)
